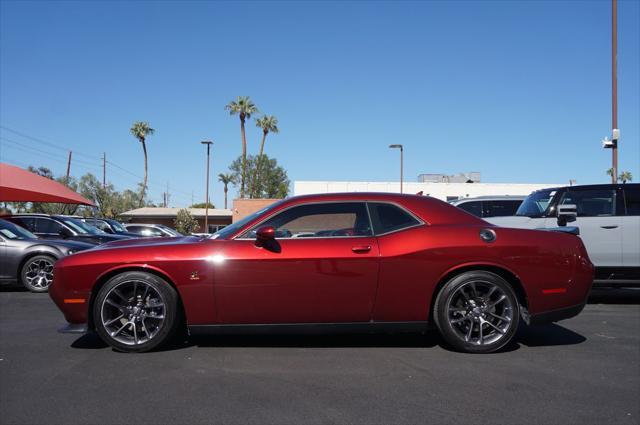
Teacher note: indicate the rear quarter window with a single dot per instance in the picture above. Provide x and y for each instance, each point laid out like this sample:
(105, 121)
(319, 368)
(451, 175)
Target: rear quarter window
(390, 218)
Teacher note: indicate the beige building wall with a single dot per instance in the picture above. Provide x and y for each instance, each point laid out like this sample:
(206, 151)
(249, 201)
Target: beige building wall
(244, 207)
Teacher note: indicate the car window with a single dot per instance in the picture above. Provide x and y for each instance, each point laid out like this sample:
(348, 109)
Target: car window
(145, 230)
(536, 204)
(388, 218)
(46, 225)
(320, 221)
(632, 200)
(501, 208)
(473, 207)
(591, 203)
(27, 222)
(12, 231)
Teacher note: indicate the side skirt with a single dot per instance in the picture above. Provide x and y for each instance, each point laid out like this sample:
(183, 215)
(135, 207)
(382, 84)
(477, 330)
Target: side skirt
(310, 328)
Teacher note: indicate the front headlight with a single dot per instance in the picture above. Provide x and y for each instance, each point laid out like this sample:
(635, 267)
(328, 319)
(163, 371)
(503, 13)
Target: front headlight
(72, 251)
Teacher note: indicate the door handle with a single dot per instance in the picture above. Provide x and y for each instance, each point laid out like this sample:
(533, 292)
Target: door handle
(609, 227)
(361, 249)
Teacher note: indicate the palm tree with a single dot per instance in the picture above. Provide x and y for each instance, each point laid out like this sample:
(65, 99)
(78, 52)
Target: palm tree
(244, 107)
(625, 176)
(268, 124)
(225, 179)
(140, 130)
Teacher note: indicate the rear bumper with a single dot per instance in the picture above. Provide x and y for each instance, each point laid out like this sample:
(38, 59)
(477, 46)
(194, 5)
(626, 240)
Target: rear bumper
(556, 315)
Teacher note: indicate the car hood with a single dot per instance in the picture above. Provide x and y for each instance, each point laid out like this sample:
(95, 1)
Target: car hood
(149, 242)
(516, 221)
(69, 244)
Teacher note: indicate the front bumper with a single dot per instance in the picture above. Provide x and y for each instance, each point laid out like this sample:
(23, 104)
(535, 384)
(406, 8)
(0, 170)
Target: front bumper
(556, 315)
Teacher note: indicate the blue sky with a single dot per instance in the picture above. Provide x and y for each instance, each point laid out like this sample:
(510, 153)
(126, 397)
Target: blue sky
(520, 91)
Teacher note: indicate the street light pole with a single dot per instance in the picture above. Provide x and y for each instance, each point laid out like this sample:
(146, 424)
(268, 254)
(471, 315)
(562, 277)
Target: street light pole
(206, 202)
(401, 161)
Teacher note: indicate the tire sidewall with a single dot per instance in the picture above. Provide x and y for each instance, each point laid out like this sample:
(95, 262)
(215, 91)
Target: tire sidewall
(23, 272)
(441, 319)
(170, 323)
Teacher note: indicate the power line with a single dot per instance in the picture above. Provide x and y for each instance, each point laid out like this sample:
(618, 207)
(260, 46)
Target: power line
(95, 166)
(44, 142)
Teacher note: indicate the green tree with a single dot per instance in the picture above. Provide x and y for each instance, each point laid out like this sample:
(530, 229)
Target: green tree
(202, 205)
(625, 176)
(274, 182)
(185, 223)
(225, 179)
(244, 108)
(268, 124)
(140, 130)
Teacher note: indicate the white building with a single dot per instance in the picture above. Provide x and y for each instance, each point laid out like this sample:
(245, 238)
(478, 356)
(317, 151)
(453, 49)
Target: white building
(443, 191)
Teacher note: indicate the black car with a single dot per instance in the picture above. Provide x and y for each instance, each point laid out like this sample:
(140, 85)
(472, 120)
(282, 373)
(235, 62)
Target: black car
(27, 260)
(47, 226)
(109, 225)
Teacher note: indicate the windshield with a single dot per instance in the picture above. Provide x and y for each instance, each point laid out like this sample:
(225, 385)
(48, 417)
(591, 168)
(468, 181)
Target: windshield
(80, 226)
(231, 229)
(172, 232)
(11, 231)
(116, 225)
(536, 204)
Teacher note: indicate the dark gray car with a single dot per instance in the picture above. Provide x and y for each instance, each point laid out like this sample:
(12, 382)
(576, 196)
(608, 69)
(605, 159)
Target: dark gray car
(27, 260)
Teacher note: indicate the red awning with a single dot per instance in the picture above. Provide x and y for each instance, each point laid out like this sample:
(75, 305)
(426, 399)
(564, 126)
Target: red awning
(18, 185)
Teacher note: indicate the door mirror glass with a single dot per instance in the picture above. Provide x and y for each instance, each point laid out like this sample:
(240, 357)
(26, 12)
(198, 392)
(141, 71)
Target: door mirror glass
(566, 214)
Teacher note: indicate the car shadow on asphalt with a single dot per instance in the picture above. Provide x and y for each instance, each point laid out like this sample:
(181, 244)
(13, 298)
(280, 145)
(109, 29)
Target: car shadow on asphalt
(530, 336)
(614, 296)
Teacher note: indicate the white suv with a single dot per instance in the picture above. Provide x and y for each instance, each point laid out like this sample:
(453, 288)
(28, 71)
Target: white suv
(608, 217)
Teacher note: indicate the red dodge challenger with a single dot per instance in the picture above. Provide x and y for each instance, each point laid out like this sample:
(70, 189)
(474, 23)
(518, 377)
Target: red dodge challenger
(334, 262)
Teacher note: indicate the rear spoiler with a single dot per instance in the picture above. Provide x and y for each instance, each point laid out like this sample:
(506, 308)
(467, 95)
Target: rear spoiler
(563, 229)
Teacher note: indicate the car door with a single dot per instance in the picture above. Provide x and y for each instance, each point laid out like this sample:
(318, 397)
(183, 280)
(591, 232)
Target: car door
(598, 221)
(321, 268)
(47, 228)
(4, 260)
(630, 224)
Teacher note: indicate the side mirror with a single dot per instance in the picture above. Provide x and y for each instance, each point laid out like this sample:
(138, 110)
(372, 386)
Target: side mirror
(566, 214)
(265, 234)
(64, 233)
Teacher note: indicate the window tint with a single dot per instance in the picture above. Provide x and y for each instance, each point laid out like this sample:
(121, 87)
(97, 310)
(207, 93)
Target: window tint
(632, 200)
(473, 207)
(501, 208)
(26, 222)
(46, 225)
(591, 203)
(320, 220)
(387, 218)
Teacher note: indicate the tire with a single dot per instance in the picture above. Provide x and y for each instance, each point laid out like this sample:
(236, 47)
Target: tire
(136, 312)
(36, 273)
(477, 312)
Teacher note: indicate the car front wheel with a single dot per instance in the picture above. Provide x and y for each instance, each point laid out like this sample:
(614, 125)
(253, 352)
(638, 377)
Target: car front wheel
(136, 312)
(477, 312)
(37, 273)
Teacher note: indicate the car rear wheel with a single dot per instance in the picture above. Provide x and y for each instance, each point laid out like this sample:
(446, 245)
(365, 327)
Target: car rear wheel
(37, 273)
(477, 312)
(136, 312)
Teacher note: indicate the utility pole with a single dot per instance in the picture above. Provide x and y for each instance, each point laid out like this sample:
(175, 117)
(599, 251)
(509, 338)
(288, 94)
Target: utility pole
(206, 201)
(167, 201)
(104, 170)
(615, 133)
(69, 166)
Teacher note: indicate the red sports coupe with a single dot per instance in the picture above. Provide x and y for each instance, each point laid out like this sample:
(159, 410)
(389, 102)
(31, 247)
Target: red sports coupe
(333, 262)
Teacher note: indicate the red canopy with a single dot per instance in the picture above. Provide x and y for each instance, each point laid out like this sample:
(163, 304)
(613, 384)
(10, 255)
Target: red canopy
(18, 185)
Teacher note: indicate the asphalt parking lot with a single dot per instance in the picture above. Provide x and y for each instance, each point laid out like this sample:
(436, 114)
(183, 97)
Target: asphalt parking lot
(585, 370)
